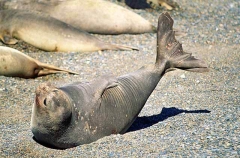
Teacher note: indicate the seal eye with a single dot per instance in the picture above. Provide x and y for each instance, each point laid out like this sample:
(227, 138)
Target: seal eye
(45, 102)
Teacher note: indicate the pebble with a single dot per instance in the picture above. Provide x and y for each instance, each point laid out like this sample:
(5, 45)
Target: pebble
(183, 76)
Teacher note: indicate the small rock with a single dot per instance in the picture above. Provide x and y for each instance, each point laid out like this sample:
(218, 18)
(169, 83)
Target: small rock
(183, 76)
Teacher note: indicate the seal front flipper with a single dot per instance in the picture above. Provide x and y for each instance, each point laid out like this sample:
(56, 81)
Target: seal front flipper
(108, 46)
(102, 84)
(7, 39)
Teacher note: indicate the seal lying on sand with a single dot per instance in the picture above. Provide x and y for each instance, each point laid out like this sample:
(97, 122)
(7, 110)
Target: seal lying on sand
(81, 113)
(94, 16)
(48, 33)
(14, 63)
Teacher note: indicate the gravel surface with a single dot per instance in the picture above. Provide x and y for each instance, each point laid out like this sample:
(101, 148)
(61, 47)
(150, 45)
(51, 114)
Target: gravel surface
(188, 114)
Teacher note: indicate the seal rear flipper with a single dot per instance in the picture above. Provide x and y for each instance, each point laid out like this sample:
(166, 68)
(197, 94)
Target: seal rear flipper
(119, 47)
(50, 69)
(44, 72)
(189, 63)
(168, 5)
(171, 51)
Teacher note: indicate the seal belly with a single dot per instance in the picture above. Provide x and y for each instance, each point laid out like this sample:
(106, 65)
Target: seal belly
(121, 105)
(43, 42)
(113, 113)
(61, 38)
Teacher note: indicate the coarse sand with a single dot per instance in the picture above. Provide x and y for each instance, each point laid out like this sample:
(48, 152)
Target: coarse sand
(188, 114)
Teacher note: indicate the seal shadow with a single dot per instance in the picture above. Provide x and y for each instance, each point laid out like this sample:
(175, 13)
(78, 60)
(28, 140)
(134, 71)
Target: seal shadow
(147, 121)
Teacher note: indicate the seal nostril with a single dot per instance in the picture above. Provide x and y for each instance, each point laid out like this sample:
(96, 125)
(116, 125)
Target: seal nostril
(44, 102)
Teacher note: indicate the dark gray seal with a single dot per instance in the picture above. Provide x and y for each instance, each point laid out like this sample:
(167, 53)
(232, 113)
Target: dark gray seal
(81, 113)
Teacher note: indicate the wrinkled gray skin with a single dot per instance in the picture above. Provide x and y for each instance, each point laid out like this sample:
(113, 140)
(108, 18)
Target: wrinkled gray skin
(94, 16)
(81, 113)
(48, 33)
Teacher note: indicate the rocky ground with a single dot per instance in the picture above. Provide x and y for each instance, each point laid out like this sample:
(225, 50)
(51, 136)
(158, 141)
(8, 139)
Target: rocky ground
(188, 114)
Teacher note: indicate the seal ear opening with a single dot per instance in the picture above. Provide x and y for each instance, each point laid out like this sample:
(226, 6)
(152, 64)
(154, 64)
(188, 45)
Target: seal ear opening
(45, 101)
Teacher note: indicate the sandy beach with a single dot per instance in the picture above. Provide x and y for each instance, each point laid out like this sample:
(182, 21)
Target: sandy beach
(188, 114)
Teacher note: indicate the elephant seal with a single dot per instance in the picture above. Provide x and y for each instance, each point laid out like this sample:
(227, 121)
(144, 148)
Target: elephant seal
(14, 63)
(48, 33)
(81, 113)
(93, 16)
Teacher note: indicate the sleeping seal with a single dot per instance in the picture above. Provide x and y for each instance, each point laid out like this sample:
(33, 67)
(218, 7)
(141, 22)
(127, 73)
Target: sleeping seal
(14, 63)
(48, 33)
(81, 113)
(93, 16)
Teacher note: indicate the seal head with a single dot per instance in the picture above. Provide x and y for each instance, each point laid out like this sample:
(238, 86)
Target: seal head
(51, 114)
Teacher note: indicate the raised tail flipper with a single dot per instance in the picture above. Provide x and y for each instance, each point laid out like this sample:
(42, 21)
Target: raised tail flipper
(169, 50)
